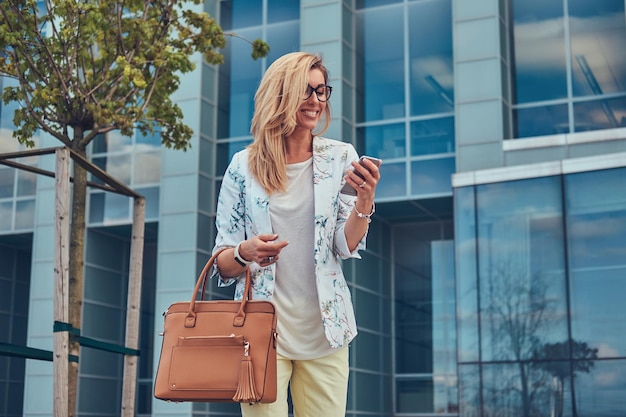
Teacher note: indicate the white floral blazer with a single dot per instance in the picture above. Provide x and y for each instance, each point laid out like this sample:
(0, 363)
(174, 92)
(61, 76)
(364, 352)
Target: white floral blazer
(243, 211)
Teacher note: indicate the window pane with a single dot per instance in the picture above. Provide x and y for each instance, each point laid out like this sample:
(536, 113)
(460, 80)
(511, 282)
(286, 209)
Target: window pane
(280, 10)
(25, 214)
(152, 202)
(392, 180)
(504, 393)
(598, 35)
(115, 142)
(26, 183)
(6, 215)
(225, 152)
(596, 224)
(240, 13)
(237, 87)
(432, 136)
(432, 81)
(147, 168)
(521, 267)
(600, 389)
(383, 141)
(539, 51)
(151, 140)
(432, 176)
(469, 390)
(380, 93)
(283, 38)
(467, 292)
(7, 177)
(600, 114)
(540, 121)
(117, 166)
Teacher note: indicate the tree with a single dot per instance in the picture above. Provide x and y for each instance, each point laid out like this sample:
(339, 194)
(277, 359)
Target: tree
(87, 68)
(583, 355)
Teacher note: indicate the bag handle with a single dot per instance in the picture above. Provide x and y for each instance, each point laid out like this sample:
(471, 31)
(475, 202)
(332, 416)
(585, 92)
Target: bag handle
(240, 317)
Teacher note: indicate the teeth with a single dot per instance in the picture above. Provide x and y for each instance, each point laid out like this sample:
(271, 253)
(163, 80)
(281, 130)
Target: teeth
(310, 113)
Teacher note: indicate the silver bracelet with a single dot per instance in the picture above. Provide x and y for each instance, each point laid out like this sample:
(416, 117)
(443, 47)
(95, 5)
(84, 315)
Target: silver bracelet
(365, 216)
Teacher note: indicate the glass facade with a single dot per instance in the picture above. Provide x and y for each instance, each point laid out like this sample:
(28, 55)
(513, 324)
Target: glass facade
(539, 273)
(14, 299)
(405, 95)
(570, 72)
(134, 161)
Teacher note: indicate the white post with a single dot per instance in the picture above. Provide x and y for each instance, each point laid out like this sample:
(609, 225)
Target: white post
(133, 307)
(61, 281)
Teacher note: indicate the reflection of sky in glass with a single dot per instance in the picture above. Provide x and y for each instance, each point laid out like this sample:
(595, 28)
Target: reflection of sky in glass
(432, 176)
(596, 206)
(245, 75)
(539, 50)
(467, 295)
(432, 82)
(432, 136)
(541, 120)
(597, 39)
(6, 215)
(602, 391)
(597, 33)
(380, 37)
(280, 10)
(392, 180)
(521, 223)
(25, 214)
(7, 178)
(521, 263)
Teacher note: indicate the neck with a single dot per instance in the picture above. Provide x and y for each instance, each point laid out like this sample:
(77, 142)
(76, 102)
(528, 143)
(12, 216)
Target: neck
(298, 147)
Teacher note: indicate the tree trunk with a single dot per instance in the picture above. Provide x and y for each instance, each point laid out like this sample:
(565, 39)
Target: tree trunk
(525, 395)
(76, 268)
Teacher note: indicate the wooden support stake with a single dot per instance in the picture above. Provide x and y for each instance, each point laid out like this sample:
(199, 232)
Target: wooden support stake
(133, 307)
(61, 281)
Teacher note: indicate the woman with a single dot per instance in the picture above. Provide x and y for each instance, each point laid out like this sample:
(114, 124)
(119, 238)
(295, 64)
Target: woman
(280, 213)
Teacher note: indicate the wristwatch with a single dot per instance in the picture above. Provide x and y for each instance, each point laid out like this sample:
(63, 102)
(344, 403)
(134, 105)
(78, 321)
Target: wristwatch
(239, 258)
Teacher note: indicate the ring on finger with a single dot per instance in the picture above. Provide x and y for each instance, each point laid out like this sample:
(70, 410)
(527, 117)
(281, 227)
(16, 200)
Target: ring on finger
(362, 184)
(268, 260)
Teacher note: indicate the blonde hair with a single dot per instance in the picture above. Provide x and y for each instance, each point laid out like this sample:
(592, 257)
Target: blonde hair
(276, 103)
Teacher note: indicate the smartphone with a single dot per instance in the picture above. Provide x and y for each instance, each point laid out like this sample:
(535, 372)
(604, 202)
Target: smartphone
(347, 188)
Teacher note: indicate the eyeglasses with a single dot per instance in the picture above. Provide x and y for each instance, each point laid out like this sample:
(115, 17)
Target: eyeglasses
(321, 91)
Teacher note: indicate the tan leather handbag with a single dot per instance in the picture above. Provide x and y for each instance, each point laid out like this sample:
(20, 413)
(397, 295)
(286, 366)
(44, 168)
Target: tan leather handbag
(220, 350)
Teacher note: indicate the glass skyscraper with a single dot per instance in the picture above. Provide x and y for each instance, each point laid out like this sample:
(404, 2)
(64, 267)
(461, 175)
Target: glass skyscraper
(494, 277)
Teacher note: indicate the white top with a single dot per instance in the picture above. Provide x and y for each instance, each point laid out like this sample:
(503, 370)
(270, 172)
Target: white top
(300, 329)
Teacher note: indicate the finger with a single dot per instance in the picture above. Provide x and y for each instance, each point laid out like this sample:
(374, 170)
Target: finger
(268, 237)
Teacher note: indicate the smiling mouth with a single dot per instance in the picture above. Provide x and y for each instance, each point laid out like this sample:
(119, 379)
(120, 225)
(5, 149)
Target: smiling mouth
(310, 113)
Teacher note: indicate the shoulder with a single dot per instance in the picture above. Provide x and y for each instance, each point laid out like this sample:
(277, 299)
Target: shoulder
(239, 161)
(334, 147)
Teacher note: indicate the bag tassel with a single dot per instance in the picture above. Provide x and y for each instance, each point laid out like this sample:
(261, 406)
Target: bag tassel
(245, 388)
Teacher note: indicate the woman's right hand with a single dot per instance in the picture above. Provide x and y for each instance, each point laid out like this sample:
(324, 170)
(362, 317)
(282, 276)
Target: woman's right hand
(263, 249)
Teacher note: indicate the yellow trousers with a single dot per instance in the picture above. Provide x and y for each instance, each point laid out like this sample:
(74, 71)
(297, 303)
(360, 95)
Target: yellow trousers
(318, 388)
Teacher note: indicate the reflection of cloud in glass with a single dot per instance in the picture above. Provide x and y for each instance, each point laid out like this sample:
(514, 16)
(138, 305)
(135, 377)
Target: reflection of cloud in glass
(606, 378)
(540, 45)
(585, 229)
(9, 144)
(606, 351)
(147, 168)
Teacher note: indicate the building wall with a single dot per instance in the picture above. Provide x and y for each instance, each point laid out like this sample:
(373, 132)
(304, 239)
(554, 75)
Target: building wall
(535, 265)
